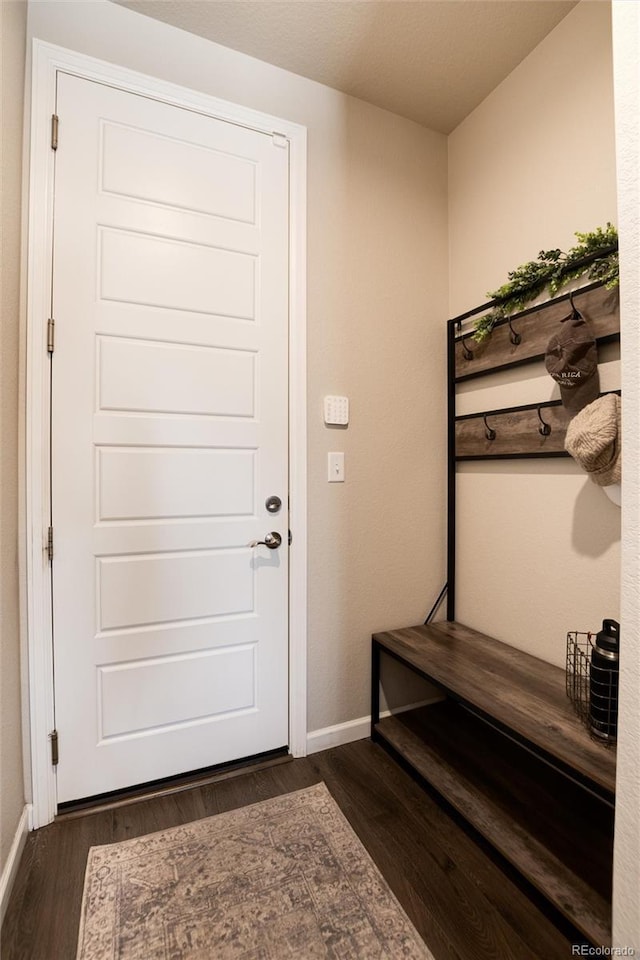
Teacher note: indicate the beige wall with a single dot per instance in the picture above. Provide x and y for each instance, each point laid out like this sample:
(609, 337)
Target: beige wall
(538, 543)
(13, 17)
(377, 268)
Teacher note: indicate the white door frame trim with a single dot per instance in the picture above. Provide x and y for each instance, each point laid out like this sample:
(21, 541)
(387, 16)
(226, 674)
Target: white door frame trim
(48, 59)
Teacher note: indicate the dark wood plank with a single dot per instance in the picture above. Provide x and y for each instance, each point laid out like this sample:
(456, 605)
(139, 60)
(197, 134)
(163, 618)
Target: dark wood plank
(502, 892)
(412, 849)
(462, 903)
(536, 325)
(158, 813)
(43, 923)
(521, 693)
(534, 820)
(516, 433)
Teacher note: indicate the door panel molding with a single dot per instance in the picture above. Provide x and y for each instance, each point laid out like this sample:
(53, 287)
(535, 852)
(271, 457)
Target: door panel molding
(39, 713)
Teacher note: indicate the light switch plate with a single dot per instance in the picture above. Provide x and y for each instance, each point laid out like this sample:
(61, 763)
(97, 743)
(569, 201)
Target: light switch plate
(336, 411)
(335, 468)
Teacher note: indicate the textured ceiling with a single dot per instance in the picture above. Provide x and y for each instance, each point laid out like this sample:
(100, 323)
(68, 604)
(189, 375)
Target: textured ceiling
(432, 61)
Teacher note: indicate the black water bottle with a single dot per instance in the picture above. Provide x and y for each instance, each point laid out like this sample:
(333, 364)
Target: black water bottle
(604, 674)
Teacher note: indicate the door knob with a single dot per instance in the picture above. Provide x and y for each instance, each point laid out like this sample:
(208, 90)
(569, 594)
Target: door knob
(272, 541)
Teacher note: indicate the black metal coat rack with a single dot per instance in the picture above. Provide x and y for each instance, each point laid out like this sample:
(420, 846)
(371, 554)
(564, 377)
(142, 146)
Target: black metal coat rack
(527, 431)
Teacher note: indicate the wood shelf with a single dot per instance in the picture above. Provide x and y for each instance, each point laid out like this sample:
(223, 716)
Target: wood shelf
(601, 307)
(507, 752)
(523, 694)
(553, 833)
(517, 433)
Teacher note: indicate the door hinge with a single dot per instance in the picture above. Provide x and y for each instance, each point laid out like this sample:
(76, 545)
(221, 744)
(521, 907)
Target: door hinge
(55, 756)
(50, 544)
(290, 538)
(54, 132)
(51, 332)
(279, 139)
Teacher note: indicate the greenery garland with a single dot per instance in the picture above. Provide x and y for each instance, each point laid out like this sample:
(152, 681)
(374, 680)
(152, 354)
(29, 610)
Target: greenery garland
(553, 269)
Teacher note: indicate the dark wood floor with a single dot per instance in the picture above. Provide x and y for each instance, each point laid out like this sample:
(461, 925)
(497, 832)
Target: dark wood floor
(463, 904)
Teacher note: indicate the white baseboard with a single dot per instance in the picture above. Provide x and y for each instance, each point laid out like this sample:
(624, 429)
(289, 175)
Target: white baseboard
(11, 866)
(351, 730)
(337, 735)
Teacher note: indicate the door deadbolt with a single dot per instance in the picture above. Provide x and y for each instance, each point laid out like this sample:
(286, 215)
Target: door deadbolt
(273, 504)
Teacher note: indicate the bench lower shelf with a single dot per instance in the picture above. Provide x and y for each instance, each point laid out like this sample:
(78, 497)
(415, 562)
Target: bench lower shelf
(558, 835)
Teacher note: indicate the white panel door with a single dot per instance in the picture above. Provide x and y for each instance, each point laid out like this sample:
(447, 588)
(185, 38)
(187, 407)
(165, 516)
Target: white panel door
(169, 432)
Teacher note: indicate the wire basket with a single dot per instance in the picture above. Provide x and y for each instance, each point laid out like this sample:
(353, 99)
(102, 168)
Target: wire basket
(579, 683)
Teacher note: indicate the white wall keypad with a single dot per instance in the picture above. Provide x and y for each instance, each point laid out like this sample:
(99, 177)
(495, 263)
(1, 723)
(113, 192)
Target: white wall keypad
(336, 411)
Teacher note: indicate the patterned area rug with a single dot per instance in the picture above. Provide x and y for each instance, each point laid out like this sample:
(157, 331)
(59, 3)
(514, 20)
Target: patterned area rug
(285, 878)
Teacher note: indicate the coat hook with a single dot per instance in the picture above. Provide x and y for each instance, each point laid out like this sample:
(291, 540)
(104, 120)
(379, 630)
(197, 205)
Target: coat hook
(490, 434)
(514, 337)
(468, 354)
(575, 313)
(545, 429)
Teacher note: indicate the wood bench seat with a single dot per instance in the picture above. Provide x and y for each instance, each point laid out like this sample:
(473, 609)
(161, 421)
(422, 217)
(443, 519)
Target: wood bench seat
(507, 752)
